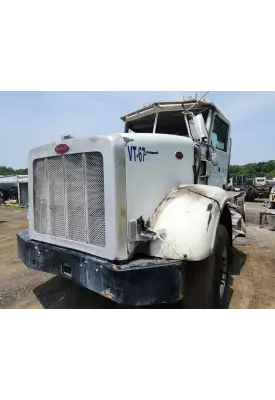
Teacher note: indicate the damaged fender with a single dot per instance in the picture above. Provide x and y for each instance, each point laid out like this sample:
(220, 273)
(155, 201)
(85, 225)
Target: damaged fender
(185, 222)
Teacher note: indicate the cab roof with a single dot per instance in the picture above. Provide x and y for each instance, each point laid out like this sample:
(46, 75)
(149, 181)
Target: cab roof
(153, 108)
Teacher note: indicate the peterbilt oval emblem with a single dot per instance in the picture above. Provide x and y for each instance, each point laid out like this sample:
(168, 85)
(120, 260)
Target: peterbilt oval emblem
(62, 148)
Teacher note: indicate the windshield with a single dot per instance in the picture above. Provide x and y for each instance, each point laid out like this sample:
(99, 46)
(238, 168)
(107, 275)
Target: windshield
(171, 123)
(142, 125)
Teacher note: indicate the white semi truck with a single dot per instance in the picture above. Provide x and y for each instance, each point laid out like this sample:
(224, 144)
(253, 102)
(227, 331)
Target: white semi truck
(141, 217)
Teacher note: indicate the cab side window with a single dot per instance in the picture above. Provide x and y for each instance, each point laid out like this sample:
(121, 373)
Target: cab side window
(220, 133)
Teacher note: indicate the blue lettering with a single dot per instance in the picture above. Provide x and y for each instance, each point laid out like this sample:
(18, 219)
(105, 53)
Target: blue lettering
(139, 154)
(130, 150)
(136, 153)
(135, 156)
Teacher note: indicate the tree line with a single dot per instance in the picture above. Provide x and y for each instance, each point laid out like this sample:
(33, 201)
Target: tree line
(252, 170)
(10, 171)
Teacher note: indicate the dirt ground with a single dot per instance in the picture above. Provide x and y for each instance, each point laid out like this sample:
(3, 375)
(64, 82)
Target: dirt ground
(252, 285)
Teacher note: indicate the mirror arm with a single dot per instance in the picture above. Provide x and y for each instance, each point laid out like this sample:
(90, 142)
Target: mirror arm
(187, 125)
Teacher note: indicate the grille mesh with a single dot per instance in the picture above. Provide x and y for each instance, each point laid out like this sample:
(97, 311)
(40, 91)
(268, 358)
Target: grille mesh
(95, 197)
(56, 197)
(40, 197)
(75, 197)
(69, 197)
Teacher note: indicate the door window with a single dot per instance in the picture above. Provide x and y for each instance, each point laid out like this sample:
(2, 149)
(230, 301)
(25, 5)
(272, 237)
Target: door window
(220, 134)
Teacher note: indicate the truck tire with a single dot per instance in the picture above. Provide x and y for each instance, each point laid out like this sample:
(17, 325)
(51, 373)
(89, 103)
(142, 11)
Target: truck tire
(250, 195)
(206, 281)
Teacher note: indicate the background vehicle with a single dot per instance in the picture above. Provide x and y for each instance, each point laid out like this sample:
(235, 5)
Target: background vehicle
(140, 217)
(8, 188)
(238, 183)
(260, 189)
(272, 197)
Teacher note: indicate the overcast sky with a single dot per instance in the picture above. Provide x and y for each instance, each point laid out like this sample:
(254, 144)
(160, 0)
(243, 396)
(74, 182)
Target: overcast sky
(29, 119)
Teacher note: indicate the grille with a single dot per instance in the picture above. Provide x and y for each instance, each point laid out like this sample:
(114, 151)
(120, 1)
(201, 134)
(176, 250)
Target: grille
(69, 197)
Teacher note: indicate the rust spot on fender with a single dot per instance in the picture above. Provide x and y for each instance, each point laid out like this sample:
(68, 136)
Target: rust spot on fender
(209, 220)
(209, 209)
(107, 293)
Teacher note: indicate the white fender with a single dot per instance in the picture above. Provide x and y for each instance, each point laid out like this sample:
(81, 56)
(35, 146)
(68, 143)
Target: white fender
(186, 222)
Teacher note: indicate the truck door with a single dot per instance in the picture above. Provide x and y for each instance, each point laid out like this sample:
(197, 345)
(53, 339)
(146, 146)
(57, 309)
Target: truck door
(220, 131)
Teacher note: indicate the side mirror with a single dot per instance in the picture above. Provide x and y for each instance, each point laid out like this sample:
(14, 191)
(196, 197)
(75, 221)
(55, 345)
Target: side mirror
(201, 127)
(198, 128)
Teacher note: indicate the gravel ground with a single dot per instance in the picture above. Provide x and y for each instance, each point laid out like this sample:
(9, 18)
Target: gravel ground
(252, 285)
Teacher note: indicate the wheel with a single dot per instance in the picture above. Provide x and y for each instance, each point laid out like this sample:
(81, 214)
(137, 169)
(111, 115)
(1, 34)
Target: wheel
(248, 195)
(272, 205)
(206, 281)
(251, 195)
